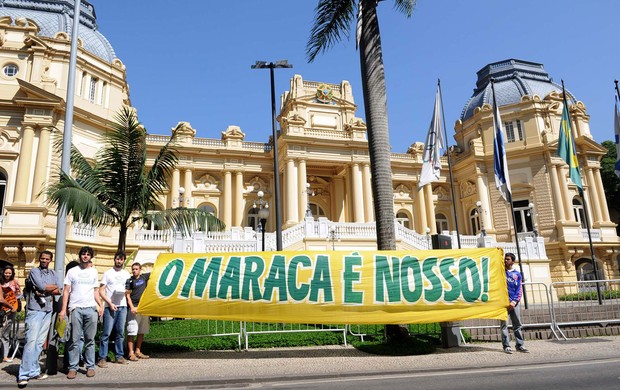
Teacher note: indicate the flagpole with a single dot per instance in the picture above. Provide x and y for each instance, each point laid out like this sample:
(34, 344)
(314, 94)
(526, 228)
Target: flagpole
(445, 131)
(512, 211)
(585, 208)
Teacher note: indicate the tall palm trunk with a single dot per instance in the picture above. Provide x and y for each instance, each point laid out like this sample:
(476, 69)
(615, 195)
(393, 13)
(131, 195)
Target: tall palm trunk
(375, 104)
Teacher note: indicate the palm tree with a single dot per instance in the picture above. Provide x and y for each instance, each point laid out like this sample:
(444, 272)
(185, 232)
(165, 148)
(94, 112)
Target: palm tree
(119, 189)
(333, 19)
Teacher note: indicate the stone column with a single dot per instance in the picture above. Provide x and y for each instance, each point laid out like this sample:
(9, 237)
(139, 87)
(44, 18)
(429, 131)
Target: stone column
(420, 212)
(430, 208)
(601, 194)
(568, 202)
(227, 198)
(41, 165)
(338, 208)
(302, 196)
(23, 168)
(173, 200)
(238, 207)
(189, 187)
(595, 201)
(369, 212)
(557, 193)
(483, 194)
(291, 194)
(357, 195)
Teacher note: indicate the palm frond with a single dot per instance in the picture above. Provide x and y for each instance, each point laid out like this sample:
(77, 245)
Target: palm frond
(332, 22)
(83, 205)
(184, 219)
(405, 6)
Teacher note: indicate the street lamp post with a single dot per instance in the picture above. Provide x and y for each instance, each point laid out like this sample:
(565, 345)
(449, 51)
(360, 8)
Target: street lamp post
(308, 193)
(181, 193)
(481, 217)
(428, 238)
(333, 236)
(276, 179)
(263, 214)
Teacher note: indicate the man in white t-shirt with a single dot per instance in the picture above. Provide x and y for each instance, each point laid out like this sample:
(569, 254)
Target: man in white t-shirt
(112, 291)
(82, 300)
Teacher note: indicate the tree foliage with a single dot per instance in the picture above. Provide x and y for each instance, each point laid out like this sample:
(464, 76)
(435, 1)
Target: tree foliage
(118, 188)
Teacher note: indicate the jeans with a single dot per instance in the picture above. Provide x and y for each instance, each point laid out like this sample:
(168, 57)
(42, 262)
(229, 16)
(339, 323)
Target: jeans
(83, 323)
(515, 319)
(113, 320)
(37, 326)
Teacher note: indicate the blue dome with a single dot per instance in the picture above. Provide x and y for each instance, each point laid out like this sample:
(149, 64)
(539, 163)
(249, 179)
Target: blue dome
(54, 16)
(513, 79)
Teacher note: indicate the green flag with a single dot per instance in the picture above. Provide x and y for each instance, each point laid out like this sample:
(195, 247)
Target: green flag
(566, 148)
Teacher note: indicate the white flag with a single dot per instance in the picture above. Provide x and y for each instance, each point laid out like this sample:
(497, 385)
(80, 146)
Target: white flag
(431, 166)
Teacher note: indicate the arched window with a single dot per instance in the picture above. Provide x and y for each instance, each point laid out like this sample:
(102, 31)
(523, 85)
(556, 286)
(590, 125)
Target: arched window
(403, 219)
(523, 216)
(585, 272)
(317, 210)
(474, 220)
(579, 212)
(441, 221)
(208, 208)
(253, 220)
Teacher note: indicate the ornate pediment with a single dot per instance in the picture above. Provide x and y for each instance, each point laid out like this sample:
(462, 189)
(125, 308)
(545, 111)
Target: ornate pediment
(467, 189)
(441, 193)
(233, 132)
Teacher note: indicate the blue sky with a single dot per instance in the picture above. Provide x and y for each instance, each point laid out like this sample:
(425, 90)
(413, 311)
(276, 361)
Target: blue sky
(190, 60)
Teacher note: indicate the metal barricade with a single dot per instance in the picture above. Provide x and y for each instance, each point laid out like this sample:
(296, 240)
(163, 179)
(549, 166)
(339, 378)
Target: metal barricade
(188, 329)
(250, 328)
(576, 303)
(537, 314)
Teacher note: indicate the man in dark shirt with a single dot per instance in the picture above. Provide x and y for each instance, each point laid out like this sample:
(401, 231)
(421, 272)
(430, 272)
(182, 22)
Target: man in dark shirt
(38, 318)
(137, 324)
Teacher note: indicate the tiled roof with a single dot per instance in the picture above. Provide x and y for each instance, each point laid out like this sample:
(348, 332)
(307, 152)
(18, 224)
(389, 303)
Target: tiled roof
(53, 16)
(513, 79)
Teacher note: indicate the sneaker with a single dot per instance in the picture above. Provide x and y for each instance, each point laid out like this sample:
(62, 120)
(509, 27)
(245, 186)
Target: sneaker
(71, 374)
(40, 377)
(102, 363)
(90, 373)
(523, 349)
(133, 358)
(121, 360)
(22, 383)
(508, 350)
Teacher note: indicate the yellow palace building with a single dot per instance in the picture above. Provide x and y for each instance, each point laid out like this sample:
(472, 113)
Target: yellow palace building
(324, 165)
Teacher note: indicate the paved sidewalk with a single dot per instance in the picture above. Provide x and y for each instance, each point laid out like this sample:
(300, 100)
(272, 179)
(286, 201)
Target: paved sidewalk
(224, 368)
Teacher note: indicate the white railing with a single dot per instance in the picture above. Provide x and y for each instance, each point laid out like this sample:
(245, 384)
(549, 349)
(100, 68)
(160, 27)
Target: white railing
(83, 231)
(209, 142)
(153, 237)
(237, 239)
(157, 139)
(259, 146)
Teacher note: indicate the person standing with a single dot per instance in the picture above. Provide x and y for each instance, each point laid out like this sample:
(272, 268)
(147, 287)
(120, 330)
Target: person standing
(82, 300)
(10, 294)
(112, 291)
(38, 318)
(137, 324)
(515, 292)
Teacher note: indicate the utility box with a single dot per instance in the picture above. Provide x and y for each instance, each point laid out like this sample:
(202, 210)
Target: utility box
(441, 241)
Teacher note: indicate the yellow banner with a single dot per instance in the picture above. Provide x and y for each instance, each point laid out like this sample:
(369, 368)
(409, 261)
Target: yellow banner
(367, 287)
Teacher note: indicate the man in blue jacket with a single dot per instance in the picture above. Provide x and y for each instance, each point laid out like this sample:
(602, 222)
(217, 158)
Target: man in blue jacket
(515, 292)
